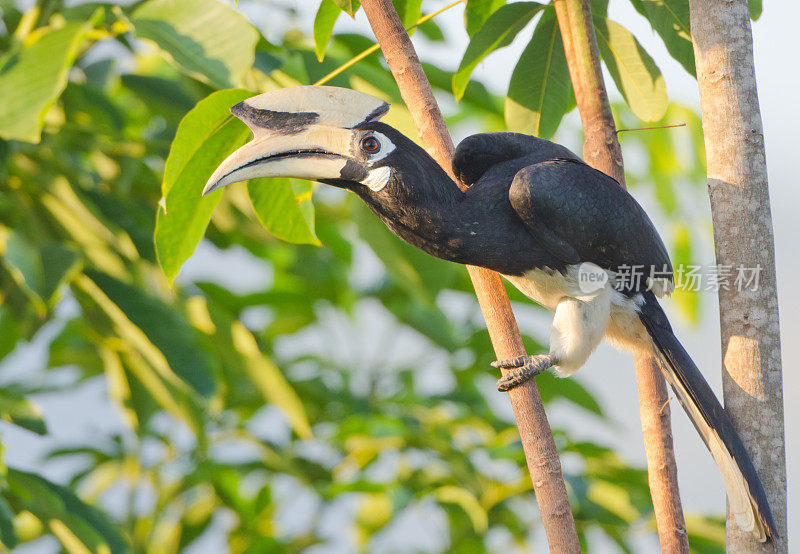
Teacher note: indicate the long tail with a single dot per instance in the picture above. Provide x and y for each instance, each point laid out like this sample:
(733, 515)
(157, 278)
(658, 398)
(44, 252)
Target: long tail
(746, 497)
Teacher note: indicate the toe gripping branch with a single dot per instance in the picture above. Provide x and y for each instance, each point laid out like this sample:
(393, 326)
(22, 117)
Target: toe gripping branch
(525, 367)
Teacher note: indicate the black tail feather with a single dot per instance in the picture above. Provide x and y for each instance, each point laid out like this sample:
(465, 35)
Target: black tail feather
(745, 493)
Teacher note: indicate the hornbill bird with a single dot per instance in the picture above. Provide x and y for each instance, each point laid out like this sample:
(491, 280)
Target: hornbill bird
(533, 212)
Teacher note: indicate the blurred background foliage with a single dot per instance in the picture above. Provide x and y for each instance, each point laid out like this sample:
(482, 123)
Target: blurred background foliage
(348, 393)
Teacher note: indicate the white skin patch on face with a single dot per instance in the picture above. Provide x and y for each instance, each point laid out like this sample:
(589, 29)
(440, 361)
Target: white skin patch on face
(379, 177)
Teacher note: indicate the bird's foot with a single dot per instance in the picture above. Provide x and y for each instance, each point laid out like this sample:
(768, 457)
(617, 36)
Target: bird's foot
(525, 367)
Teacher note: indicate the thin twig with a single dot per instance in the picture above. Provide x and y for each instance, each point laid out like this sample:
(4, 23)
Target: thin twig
(651, 128)
(375, 47)
(602, 151)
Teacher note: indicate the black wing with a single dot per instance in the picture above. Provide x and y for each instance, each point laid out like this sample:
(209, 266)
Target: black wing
(477, 154)
(579, 214)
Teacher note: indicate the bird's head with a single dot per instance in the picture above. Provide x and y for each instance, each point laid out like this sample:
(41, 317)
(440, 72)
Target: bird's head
(326, 134)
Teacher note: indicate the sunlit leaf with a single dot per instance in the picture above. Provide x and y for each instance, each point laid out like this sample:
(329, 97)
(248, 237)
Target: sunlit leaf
(478, 11)
(118, 388)
(20, 411)
(284, 207)
(497, 31)
(540, 92)
(670, 19)
(270, 381)
(327, 14)
(408, 10)
(133, 336)
(47, 55)
(634, 72)
(206, 38)
(350, 7)
(682, 255)
(43, 269)
(164, 328)
(467, 501)
(204, 138)
(75, 524)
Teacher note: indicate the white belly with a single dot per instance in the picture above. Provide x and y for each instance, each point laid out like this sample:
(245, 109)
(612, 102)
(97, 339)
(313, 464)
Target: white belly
(545, 286)
(582, 318)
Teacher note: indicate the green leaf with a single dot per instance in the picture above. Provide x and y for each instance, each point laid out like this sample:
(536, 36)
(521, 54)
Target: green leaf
(408, 10)
(498, 31)
(599, 8)
(7, 534)
(78, 526)
(755, 8)
(540, 91)
(326, 17)
(205, 137)
(670, 19)
(284, 207)
(467, 501)
(9, 330)
(42, 269)
(21, 411)
(478, 11)
(270, 381)
(206, 38)
(164, 327)
(350, 7)
(635, 73)
(26, 100)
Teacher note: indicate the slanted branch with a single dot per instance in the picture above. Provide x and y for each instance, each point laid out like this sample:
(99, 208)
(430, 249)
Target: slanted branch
(602, 151)
(537, 439)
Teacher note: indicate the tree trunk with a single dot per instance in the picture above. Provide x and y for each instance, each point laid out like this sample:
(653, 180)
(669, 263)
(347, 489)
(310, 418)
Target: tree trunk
(602, 151)
(537, 439)
(743, 242)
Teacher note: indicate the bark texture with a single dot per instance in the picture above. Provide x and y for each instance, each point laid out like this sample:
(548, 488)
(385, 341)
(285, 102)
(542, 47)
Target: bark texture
(743, 237)
(602, 151)
(537, 439)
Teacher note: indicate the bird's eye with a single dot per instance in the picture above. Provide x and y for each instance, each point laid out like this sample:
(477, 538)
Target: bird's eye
(370, 144)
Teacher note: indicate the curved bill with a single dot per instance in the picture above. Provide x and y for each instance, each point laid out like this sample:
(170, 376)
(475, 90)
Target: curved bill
(303, 132)
(319, 152)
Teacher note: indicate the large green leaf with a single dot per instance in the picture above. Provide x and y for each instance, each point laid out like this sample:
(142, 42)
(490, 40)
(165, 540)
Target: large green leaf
(205, 137)
(670, 19)
(284, 207)
(206, 38)
(32, 78)
(20, 411)
(478, 11)
(635, 73)
(540, 91)
(498, 31)
(78, 526)
(327, 14)
(164, 327)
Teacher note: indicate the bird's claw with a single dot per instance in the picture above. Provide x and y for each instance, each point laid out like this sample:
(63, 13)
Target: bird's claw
(527, 367)
(511, 363)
